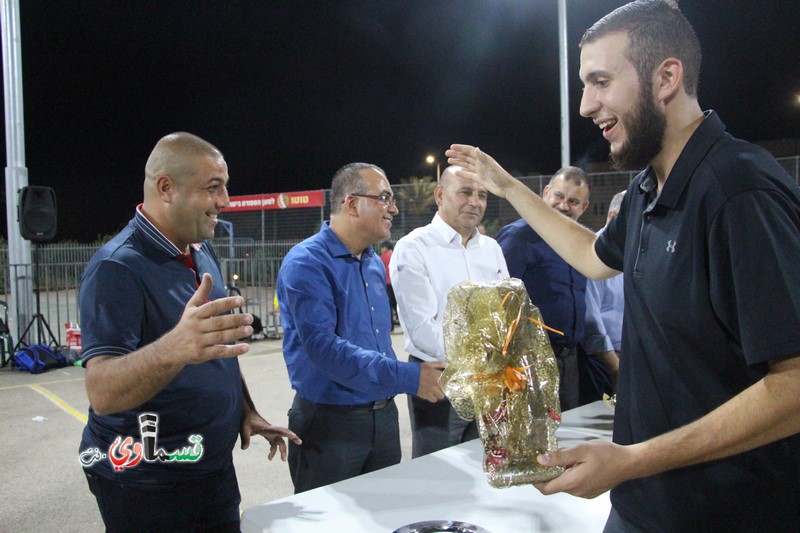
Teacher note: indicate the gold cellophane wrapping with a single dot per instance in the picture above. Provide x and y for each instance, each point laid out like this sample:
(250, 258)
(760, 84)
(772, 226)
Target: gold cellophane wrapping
(501, 370)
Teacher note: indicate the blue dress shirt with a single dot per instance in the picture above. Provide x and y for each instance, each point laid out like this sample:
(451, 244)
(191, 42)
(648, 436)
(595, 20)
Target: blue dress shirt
(335, 317)
(557, 289)
(605, 305)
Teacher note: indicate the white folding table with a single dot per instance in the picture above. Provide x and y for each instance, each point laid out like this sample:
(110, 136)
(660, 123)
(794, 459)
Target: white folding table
(446, 485)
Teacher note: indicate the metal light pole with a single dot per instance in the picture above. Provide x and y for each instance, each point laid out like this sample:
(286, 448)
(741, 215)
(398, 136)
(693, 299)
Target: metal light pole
(19, 249)
(564, 79)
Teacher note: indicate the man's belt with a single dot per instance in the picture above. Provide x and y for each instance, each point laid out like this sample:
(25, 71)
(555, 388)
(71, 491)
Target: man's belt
(373, 406)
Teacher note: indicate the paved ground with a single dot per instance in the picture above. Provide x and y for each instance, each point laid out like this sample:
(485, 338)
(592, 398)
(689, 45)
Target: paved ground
(42, 487)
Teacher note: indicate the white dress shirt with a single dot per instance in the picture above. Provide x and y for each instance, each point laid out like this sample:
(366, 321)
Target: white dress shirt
(425, 265)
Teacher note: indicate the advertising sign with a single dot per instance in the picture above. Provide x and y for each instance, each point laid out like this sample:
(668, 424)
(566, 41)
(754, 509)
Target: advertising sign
(283, 200)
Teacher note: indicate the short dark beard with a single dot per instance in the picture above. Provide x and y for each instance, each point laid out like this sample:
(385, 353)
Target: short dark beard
(646, 130)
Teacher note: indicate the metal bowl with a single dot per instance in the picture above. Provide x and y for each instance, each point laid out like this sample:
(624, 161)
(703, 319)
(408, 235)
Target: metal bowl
(441, 526)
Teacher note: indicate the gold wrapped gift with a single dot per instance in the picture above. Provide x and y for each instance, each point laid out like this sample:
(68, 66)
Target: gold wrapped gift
(501, 370)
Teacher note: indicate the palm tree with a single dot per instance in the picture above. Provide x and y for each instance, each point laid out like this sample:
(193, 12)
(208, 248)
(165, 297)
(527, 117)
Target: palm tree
(416, 194)
(415, 201)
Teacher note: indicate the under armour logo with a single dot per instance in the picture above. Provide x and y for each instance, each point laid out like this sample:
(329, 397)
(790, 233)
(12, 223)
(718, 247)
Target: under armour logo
(671, 246)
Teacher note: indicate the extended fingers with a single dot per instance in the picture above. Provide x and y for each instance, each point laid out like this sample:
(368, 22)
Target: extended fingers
(463, 151)
(277, 444)
(217, 323)
(223, 350)
(218, 331)
(203, 290)
(460, 158)
(217, 307)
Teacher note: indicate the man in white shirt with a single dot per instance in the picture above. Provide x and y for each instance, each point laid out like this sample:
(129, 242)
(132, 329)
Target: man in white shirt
(425, 265)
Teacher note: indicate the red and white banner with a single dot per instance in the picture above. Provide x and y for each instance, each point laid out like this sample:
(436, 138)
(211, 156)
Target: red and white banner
(283, 200)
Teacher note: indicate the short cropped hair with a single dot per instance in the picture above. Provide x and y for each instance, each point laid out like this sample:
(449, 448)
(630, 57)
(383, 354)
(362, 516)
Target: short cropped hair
(574, 174)
(656, 30)
(348, 180)
(174, 155)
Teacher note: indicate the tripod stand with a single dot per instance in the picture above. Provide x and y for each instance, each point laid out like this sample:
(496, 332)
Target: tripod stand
(38, 318)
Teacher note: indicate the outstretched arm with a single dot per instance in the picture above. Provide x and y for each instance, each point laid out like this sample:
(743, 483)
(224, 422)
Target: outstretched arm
(309, 297)
(119, 383)
(767, 411)
(572, 241)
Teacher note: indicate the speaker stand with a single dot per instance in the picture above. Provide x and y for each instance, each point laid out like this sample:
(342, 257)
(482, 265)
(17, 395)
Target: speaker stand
(38, 318)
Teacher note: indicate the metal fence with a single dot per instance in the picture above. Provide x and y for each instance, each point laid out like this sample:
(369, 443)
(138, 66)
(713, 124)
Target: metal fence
(250, 260)
(249, 270)
(416, 206)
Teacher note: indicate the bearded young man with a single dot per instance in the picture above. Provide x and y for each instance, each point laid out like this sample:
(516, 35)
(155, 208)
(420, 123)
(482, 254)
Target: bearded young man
(708, 235)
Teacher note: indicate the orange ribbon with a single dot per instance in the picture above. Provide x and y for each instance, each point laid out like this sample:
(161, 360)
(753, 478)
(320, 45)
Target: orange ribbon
(514, 378)
(512, 328)
(545, 326)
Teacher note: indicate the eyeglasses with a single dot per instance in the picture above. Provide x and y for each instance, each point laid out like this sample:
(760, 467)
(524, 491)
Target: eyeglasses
(387, 199)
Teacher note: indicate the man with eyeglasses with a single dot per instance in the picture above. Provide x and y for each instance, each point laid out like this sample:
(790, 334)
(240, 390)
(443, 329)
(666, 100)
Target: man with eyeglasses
(337, 344)
(425, 265)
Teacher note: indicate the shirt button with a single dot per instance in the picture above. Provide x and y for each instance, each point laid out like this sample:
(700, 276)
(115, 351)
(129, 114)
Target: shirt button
(377, 330)
(384, 353)
(371, 308)
(366, 283)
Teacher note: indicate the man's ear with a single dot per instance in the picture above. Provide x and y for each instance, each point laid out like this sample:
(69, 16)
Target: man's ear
(350, 205)
(165, 188)
(668, 79)
(438, 192)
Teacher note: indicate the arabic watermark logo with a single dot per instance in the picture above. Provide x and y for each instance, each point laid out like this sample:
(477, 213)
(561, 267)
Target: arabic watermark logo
(127, 453)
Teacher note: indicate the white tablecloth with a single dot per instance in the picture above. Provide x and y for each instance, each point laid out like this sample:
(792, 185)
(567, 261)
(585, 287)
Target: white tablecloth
(446, 485)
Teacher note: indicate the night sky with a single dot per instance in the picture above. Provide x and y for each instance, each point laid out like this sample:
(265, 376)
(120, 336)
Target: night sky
(290, 91)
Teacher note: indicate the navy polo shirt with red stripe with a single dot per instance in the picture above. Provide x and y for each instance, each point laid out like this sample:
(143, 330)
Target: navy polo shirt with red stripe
(133, 291)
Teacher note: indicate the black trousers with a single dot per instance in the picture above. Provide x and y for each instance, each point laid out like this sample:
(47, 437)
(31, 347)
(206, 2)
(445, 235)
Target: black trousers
(192, 506)
(595, 379)
(617, 524)
(340, 442)
(436, 425)
(568, 391)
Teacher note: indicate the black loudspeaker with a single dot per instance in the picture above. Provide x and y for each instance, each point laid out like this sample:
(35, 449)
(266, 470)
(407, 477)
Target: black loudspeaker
(38, 218)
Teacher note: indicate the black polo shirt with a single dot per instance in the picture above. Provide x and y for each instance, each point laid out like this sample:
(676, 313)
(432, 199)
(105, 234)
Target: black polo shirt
(712, 292)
